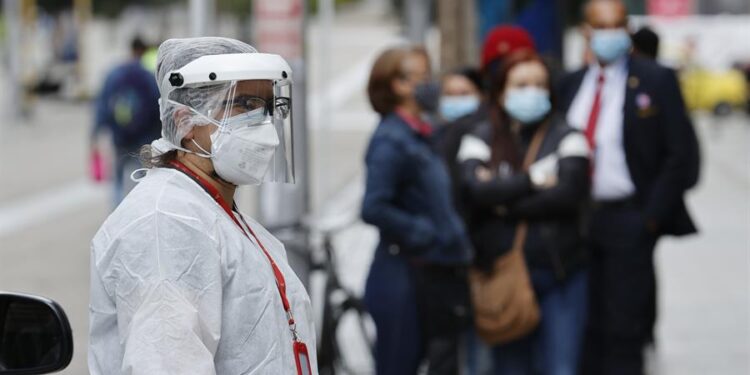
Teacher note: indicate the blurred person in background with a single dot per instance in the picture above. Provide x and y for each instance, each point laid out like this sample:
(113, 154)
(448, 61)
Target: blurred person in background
(646, 43)
(460, 98)
(500, 42)
(548, 198)
(181, 281)
(645, 157)
(416, 290)
(127, 109)
(461, 93)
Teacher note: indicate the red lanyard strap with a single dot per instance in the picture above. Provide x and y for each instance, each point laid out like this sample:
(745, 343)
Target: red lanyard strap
(214, 193)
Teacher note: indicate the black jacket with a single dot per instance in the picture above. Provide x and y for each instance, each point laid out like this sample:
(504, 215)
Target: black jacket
(447, 141)
(492, 209)
(661, 147)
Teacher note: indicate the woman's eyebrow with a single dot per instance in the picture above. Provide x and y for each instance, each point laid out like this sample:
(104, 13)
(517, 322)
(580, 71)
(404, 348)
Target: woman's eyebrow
(242, 97)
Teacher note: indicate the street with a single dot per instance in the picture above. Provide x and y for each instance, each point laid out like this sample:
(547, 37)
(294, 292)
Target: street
(49, 211)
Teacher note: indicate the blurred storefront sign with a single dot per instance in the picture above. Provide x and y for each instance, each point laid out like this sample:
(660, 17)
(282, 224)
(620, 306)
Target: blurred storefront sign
(278, 27)
(670, 8)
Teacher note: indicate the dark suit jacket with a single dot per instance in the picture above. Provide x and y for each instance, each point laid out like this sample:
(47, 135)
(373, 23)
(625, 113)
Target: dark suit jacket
(661, 148)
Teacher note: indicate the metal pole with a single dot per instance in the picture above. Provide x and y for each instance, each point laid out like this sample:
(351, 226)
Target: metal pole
(13, 15)
(286, 204)
(83, 11)
(417, 14)
(326, 13)
(202, 14)
(458, 42)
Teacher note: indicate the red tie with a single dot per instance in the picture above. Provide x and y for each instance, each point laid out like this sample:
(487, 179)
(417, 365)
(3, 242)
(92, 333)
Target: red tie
(594, 115)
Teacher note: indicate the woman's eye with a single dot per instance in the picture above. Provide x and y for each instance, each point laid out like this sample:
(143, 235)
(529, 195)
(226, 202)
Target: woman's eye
(255, 104)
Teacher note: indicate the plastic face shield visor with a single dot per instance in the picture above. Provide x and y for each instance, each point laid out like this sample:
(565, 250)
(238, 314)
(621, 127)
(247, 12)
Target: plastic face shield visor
(212, 89)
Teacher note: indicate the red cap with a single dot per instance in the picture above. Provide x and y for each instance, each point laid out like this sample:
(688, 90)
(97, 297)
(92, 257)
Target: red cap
(503, 40)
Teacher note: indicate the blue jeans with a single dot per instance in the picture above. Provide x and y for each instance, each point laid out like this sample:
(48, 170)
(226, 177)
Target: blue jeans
(390, 298)
(554, 347)
(478, 354)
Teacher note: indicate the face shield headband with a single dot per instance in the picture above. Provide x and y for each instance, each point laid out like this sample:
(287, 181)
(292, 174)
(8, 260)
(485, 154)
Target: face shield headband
(261, 102)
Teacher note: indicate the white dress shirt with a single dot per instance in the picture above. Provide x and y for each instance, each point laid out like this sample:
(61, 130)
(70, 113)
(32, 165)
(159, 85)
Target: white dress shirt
(611, 177)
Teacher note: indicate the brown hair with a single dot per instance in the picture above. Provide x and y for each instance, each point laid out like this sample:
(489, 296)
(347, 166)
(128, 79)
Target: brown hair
(388, 67)
(148, 160)
(504, 147)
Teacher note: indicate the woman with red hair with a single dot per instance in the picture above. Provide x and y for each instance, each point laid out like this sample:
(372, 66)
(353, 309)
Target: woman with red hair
(528, 168)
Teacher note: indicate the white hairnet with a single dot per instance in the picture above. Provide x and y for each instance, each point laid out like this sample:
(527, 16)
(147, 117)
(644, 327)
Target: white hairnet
(173, 54)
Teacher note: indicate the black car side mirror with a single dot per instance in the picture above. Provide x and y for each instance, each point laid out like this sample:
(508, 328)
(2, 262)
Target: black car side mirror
(35, 335)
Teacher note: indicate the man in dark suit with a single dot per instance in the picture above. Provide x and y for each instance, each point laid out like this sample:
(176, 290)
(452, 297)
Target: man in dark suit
(645, 156)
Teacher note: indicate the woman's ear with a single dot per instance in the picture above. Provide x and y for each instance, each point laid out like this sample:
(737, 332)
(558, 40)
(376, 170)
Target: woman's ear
(181, 117)
(186, 140)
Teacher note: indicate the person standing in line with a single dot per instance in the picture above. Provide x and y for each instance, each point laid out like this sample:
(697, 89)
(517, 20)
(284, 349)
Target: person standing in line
(460, 98)
(416, 290)
(645, 157)
(127, 109)
(500, 42)
(547, 200)
(461, 93)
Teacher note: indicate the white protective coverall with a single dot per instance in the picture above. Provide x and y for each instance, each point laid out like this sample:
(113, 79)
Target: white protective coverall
(177, 288)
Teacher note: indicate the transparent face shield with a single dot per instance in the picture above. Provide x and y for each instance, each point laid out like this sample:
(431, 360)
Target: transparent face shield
(251, 121)
(282, 164)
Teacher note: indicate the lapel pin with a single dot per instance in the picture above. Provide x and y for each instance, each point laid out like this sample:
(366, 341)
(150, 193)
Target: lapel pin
(643, 101)
(633, 82)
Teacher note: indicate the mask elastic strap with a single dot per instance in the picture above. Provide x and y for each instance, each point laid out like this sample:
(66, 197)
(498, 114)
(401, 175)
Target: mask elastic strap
(205, 154)
(135, 178)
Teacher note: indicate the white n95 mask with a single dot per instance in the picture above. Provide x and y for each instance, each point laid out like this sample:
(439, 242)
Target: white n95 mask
(245, 153)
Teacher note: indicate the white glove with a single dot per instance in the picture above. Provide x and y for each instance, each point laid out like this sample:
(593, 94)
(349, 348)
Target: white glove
(543, 173)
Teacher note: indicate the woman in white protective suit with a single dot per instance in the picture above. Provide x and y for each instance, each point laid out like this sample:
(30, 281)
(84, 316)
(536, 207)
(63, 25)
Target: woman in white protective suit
(181, 282)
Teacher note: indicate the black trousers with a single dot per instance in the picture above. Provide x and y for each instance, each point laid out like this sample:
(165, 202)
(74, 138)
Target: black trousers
(444, 313)
(622, 290)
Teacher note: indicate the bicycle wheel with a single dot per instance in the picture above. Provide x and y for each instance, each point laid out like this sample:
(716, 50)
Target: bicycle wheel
(355, 336)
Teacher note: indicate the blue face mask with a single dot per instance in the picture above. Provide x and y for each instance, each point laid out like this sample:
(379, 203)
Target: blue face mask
(456, 106)
(528, 105)
(610, 45)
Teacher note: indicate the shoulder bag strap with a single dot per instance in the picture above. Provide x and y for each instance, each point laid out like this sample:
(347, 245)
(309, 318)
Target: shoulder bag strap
(536, 143)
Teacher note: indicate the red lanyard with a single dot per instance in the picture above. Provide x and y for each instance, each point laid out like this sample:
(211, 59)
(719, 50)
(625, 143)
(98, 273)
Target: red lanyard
(214, 193)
